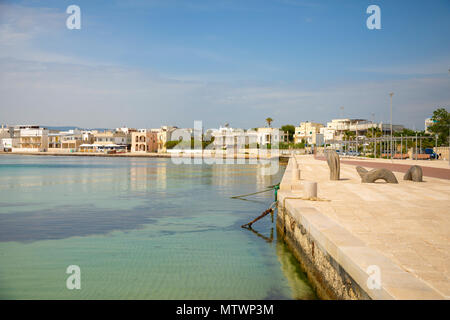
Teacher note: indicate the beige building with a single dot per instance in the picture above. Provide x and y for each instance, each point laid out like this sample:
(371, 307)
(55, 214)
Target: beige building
(164, 134)
(110, 138)
(87, 136)
(308, 132)
(144, 140)
(54, 141)
(65, 141)
(31, 139)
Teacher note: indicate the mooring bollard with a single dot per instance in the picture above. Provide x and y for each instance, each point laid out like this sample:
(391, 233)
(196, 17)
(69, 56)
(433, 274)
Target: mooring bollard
(310, 188)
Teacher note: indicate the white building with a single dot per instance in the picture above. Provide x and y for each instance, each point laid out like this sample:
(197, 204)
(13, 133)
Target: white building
(7, 144)
(65, 141)
(7, 140)
(328, 133)
(428, 122)
(337, 128)
(226, 137)
(307, 131)
(269, 135)
(126, 130)
(31, 138)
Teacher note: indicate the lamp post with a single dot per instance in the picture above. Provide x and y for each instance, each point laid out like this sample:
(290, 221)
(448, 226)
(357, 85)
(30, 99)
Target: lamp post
(391, 94)
(448, 141)
(373, 120)
(401, 146)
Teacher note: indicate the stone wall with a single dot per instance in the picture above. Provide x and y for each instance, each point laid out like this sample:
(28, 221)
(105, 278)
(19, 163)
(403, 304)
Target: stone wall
(327, 277)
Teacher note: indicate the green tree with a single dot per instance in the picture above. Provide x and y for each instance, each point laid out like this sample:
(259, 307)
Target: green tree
(349, 134)
(290, 129)
(171, 144)
(406, 133)
(269, 121)
(300, 145)
(441, 119)
(376, 132)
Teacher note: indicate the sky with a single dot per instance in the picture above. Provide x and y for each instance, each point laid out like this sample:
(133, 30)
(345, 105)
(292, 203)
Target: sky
(144, 64)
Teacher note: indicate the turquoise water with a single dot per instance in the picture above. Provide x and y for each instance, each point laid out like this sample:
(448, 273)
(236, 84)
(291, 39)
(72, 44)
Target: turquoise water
(139, 228)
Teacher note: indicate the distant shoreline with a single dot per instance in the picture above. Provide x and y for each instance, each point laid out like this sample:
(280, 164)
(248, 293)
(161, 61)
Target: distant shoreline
(135, 155)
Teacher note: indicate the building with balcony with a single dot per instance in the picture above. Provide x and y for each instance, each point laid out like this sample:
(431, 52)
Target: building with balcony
(144, 140)
(269, 135)
(307, 132)
(226, 137)
(65, 141)
(338, 127)
(30, 139)
(110, 137)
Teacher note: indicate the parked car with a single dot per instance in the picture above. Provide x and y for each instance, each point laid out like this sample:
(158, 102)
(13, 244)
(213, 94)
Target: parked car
(353, 153)
(431, 152)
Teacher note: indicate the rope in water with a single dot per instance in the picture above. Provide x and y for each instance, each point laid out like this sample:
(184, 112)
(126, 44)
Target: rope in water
(250, 194)
(274, 187)
(269, 188)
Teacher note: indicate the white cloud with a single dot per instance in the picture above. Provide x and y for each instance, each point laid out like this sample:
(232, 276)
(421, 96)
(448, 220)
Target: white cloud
(50, 93)
(19, 24)
(431, 68)
(38, 86)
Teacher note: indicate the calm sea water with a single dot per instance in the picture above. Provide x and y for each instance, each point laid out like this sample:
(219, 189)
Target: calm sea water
(139, 228)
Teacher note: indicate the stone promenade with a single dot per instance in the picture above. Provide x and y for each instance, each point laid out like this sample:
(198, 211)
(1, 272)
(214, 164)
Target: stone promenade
(404, 229)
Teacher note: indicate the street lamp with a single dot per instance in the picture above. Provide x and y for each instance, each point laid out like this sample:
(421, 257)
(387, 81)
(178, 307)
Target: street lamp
(391, 94)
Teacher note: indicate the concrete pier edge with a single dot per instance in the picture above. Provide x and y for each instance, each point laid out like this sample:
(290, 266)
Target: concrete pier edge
(335, 261)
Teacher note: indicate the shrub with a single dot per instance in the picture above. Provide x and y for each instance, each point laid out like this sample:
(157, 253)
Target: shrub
(171, 144)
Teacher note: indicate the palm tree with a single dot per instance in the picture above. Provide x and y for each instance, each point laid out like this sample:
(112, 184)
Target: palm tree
(349, 134)
(269, 121)
(376, 133)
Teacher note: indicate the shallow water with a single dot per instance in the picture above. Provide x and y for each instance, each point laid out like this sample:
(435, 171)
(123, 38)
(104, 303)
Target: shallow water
(139, 228)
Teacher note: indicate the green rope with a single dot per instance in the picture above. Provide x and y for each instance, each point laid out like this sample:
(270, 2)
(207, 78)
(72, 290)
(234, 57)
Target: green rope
(250, 194)
(269, 188)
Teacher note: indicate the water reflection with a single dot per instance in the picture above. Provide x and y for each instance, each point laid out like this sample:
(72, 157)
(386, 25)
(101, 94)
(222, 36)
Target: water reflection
(265, 238)
(141, 228)
(293, 272)
(69, 222)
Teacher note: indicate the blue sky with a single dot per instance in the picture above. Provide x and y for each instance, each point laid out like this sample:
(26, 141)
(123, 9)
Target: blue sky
(148, 63)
